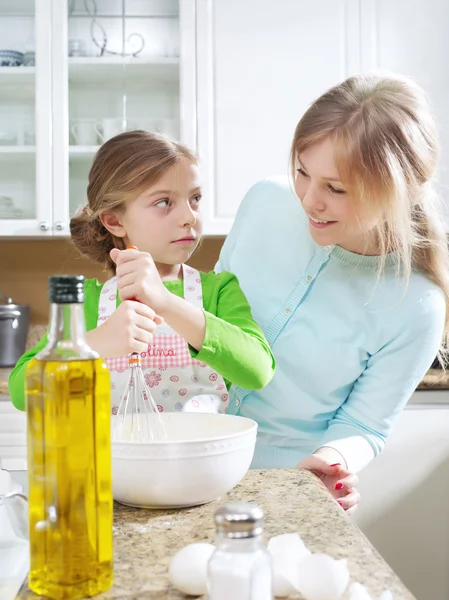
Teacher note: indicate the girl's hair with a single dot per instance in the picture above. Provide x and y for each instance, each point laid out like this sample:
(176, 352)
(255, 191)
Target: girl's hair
(123, 168)
(386, 152)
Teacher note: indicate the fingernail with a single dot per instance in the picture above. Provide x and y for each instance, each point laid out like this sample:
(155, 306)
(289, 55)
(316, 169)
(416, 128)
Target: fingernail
(340, 503)
(338, 486)
(336, 465)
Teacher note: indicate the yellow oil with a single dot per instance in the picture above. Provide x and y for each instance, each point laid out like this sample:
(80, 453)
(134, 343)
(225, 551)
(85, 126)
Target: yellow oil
(70, 479)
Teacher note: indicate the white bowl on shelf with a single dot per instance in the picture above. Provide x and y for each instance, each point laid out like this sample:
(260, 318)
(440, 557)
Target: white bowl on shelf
(10, 58)
(204, 457)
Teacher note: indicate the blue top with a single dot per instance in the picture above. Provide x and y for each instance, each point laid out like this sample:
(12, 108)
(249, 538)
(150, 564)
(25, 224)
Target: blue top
(351, 345)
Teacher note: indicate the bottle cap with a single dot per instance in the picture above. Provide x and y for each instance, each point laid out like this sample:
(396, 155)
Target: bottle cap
(66, 289)
(237, 520)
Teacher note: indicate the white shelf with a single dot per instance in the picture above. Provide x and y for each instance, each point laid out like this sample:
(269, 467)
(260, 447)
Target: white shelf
(17, 149)
(79, 151)
(110, 69)
(13, 75)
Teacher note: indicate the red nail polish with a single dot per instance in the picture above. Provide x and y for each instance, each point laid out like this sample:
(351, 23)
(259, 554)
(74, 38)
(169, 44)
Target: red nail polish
(336, 465)
(339, 486)
(341, 504)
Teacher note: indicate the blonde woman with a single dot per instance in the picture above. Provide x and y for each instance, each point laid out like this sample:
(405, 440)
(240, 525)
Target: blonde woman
(346, 271)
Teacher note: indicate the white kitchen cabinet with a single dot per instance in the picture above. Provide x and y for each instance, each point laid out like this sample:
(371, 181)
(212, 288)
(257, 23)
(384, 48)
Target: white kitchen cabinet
(405, 491)
(410, 37)
(259, 65)
(229, 78)
(13, 444)
(261, 62)
(102, 67)
(25, 119)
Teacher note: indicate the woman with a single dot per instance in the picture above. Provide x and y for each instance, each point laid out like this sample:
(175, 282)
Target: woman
(346, 271)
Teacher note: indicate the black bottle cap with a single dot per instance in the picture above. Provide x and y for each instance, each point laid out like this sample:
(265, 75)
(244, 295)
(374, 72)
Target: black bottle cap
(66, 289)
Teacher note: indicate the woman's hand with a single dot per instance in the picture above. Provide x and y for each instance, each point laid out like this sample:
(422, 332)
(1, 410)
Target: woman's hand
(138, 279)
(129, 329)
(340, 482)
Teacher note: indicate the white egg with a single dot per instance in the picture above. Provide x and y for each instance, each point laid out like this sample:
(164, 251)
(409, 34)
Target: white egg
(321, 577)
(289, 544)
(357, 591)
(282, 580)
(188, 568)
(287, 551)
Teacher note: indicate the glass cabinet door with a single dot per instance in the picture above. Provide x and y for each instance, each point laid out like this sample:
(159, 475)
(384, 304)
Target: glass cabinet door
(120, 69)
(25, 118)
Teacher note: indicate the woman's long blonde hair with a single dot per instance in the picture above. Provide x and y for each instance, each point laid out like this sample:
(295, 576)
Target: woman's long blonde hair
(386, 154)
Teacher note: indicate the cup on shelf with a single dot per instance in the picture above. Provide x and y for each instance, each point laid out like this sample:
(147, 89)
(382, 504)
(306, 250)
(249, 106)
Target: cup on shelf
(29, 59)
(29, 137)
(77, 47)
(168, 127)
(108, 128)
(7, 137)
(84, 132)
(8, 210)
(26, 133)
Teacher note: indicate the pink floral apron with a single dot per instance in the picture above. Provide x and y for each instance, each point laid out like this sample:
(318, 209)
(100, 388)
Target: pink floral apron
(178, 382)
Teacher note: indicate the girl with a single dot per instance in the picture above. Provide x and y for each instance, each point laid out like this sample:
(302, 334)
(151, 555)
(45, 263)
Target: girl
(356, 313)
(194, 331)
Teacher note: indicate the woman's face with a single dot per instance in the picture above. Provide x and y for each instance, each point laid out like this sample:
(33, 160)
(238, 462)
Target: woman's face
(332, 212)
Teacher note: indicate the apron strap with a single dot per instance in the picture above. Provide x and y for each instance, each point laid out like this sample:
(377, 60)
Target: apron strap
(108, 300)
(193, 289)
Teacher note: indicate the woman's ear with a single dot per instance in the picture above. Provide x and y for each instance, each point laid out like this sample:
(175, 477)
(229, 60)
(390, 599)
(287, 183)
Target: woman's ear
(113, 223)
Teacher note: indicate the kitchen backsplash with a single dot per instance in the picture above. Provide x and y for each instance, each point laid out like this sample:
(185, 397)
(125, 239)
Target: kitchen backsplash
(26, 265)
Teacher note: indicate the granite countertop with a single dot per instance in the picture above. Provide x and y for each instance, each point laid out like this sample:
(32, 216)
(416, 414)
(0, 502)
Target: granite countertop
(435, 379)
(293, 500)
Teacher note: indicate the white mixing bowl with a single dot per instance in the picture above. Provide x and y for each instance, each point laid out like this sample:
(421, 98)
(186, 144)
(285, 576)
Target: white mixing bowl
(203, 457)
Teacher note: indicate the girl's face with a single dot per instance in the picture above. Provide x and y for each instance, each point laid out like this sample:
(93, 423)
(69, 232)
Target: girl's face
(332, 213)
(165, 220)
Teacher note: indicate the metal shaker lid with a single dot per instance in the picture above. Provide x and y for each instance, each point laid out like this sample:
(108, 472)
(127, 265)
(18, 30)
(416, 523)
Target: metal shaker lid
(7, 306)
(239, 520)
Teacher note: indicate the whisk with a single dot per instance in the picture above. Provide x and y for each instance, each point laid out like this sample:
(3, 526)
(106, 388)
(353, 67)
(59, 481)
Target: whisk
(138, 418)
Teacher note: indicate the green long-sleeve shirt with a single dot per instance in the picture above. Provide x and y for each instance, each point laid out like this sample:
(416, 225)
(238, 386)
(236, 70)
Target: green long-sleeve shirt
(234, 345)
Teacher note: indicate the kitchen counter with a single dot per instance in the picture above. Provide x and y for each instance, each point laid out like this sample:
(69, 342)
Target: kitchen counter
(293, 500)
(4, 374)
(435, 379)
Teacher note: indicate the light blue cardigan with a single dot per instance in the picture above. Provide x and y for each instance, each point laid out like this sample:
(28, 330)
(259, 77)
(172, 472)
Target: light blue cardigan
(350, 345)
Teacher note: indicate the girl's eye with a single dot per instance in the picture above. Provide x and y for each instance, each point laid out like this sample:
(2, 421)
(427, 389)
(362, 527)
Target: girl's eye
(196, 199)
(335, 190)
(301, 172)
(163, 203)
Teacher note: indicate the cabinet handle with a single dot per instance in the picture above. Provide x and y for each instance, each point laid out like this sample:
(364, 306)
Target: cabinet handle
(60, 226)
(44, 226)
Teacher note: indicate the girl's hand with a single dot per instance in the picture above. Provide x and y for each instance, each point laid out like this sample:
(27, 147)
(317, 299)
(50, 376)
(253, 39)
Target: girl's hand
(129, 329)
(340, 482)
(138, 278)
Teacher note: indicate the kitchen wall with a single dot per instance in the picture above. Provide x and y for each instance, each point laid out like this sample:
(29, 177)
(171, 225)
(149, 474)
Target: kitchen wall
(26, 265)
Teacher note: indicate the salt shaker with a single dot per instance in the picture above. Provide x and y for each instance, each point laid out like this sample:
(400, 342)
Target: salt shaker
(240, 567)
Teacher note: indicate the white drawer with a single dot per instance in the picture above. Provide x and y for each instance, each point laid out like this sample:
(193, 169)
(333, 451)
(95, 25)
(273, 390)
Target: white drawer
(13, 443)
(13, 423)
